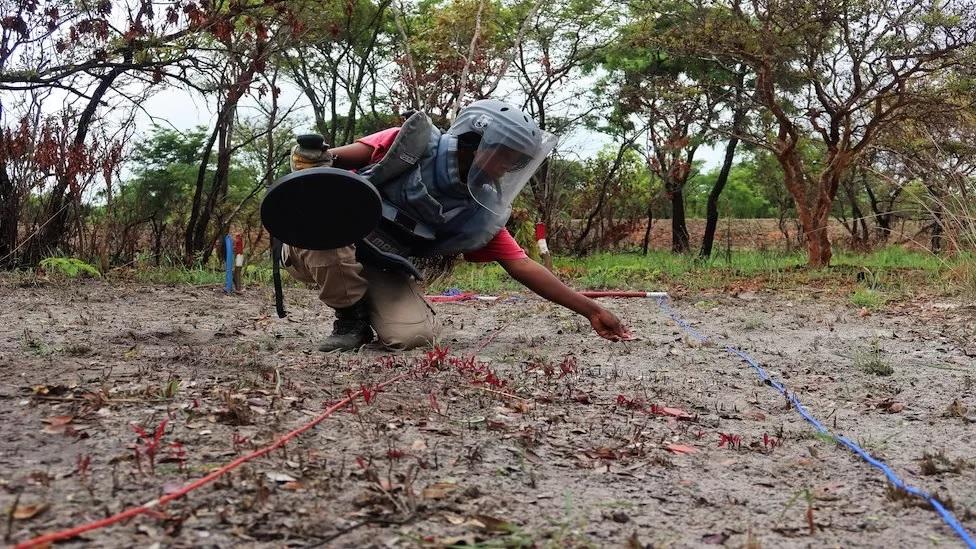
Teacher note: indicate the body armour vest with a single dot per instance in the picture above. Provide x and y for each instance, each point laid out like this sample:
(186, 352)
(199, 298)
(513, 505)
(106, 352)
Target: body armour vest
(419, 177)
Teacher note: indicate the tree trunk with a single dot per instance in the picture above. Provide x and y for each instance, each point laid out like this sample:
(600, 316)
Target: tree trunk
(711, 213)
(195, 234)
(938, 227)
(680, 243)
(647, 230)
(539, 184)
(218, 191)
(9, 216)
(809, 224)
(819, 249)
(882, 215)
(860, 239)
(814, 210)
(937, 233)
(333, 124)
(865, 238)
(157, 228)
(190, 250)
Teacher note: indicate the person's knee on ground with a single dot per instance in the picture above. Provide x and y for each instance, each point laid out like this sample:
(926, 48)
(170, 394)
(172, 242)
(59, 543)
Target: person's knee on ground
(406, 338)
(398, 312)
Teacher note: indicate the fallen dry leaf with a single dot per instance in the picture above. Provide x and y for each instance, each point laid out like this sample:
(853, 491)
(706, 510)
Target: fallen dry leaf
(676, 412)
(521, 406)
(439, 490)
(467, 539)
(956, 409)
(681, 449)
(602, 452)
(24, 512)
(754, 415)
(490, 524)
(453, 519)
(280, 478)
(52, 390)
(891, 406)
(57, 425)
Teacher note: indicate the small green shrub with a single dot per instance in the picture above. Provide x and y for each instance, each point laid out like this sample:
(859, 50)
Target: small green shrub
(867, 298)
(69, 266)
(873, 361)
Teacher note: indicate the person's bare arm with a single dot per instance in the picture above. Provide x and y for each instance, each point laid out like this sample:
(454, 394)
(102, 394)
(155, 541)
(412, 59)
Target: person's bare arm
(538, 279)
(352, 156)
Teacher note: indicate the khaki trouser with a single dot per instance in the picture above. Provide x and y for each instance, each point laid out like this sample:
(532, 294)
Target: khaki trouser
(397, 310)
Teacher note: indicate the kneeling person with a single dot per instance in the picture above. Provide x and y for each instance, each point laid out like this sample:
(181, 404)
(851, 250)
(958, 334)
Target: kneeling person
(463, 186)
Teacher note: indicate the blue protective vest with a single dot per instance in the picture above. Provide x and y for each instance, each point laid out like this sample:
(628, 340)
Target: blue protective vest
(430, 191)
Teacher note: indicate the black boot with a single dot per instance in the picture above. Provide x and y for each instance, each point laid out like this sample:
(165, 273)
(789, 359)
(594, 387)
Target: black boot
(351, 329)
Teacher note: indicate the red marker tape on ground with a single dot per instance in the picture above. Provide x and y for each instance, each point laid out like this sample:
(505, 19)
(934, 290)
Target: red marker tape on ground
(150, 506)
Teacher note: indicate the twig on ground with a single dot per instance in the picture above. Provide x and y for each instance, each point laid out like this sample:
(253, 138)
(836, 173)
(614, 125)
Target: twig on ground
(10, 517)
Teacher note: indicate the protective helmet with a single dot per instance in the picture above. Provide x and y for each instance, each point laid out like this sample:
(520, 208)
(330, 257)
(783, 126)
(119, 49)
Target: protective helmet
(500, 124)
(510, 150)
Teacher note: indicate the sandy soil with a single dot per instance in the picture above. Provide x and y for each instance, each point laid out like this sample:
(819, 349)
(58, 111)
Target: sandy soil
(549, 436)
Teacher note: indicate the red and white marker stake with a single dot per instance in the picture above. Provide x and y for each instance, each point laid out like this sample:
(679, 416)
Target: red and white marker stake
(540, 238)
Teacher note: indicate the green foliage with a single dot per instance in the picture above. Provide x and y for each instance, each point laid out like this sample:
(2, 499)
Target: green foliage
(660, 270)
(165, 166)
(621, 196)
(440, 34)
(176, 274)
(742, 197)
(153, 204)
(868, 298)
(69, 267)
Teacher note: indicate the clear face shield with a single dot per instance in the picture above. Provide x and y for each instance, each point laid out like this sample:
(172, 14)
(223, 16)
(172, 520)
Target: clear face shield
(501, 168)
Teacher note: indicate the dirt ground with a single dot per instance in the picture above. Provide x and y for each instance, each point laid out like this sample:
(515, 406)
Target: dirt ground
(550, 436)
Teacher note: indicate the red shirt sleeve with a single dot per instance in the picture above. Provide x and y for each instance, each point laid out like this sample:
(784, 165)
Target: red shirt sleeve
(380, 141)
(503, 246)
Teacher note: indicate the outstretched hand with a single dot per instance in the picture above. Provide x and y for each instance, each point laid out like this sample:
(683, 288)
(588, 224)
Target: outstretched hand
(608, 326)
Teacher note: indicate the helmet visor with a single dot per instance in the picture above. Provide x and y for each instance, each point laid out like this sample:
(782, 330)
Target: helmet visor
(501, 168)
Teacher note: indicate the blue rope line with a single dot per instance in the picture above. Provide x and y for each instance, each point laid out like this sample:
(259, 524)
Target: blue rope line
(893, 478)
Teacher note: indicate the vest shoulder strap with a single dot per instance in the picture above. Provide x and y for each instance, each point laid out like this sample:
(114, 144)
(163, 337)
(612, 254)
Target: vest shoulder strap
(407, 149)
